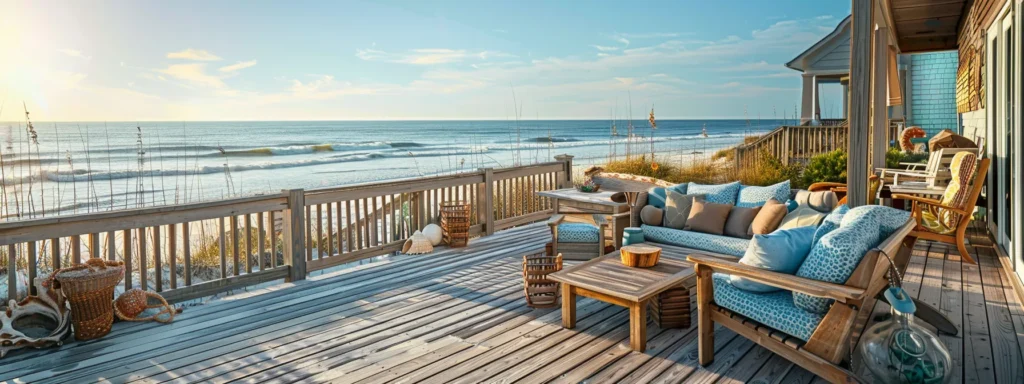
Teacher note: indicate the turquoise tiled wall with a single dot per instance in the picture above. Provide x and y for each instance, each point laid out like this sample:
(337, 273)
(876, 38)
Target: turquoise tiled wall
(933, 92)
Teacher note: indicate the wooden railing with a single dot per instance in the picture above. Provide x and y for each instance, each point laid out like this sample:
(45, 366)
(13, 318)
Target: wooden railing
(793, 143)
(241, 242)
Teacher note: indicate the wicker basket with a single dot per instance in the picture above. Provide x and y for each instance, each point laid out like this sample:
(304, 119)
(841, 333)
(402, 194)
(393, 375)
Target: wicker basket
(89, 288)
(671, 309)
(540, 291)
(455, 223)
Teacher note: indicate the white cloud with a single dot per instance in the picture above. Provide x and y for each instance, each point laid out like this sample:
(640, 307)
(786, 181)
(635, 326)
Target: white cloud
(326, 87)
(75, 53)
(431, 56)
(603, 48)
(238, 66)
(195, 74)
(650, 35)
(193, 54)
(750, 67)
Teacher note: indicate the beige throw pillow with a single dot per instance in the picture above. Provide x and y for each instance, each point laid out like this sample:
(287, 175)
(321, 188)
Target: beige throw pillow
(801, 217)
(677, 208)
(769, 219)
(739, 221)
(707, 217)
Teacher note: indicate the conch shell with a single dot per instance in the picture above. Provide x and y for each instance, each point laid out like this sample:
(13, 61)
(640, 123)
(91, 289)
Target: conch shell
(44, 311)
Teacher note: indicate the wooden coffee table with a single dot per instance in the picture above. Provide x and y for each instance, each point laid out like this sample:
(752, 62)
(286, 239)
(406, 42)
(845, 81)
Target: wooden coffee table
(606, 279)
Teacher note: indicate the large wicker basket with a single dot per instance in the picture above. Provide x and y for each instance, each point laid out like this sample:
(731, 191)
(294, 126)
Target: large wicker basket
(540, 291)
(89, 288)
(455, 223)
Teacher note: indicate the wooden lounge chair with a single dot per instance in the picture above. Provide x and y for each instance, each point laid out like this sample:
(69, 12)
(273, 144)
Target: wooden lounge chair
(830, 343)
(947, 220)
(577, 241)
(934, 174)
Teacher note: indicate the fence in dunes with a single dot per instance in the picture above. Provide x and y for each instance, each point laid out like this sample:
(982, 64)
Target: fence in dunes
(196, 250)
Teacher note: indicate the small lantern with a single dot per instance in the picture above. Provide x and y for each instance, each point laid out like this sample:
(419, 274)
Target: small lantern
(899, 351)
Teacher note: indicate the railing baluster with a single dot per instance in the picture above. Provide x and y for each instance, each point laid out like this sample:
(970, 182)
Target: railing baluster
(143, 255)
(350, 223)
(248, 244)
(272, 232)
(309, 233)
(12, 272)
(33, 267)
(330, 230)
(126, 246)
(261, 239)
(54, 254)
(76, 250)
(94, 245)
(186, 247)
(319, 231)
(158, 268)
(111, 246)
(172, 254)
(235, 248)
(222, 243)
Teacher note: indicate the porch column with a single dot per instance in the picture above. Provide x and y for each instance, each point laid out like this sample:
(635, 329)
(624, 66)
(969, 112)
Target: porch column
(816, 115)
(846, 100)
(807, 98)
(880, 99)
(861, 24)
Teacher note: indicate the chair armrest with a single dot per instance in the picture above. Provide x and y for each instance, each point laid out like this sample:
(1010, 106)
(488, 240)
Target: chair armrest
(927, 201)
(824, 186)
(555, 220)
(840, 293)
(600, 220)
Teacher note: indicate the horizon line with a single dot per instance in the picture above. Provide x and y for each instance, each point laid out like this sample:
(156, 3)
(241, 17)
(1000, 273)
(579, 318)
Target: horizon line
(398, 119)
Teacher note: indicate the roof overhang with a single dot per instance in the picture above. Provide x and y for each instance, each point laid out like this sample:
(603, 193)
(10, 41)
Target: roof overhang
(924, 25)
(799, 63)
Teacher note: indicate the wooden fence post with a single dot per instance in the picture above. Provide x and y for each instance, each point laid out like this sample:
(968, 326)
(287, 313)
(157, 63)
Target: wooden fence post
(294, 232)
(784, 156)
(566, 160)
(485, 201)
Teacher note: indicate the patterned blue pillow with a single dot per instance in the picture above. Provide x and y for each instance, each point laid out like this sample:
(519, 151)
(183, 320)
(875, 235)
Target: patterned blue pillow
(718, 193)
(836, 254)
(889, 219)
(792, 205)
(780, 251)
(829, 224)
(757, 196)
(656, 197)
(679, 188)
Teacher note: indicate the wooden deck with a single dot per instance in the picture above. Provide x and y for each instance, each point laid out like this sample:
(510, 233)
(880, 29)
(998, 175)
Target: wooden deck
(459, 316)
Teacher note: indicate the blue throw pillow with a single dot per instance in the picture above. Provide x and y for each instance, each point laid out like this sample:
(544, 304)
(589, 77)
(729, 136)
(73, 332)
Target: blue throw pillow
(679, 188)
(835, 255)
(656, 197)
(718, 194)
(780, 251)
(792, 205)
(750, 196)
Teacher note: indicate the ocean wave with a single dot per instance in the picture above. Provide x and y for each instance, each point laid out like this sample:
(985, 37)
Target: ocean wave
(315, 148)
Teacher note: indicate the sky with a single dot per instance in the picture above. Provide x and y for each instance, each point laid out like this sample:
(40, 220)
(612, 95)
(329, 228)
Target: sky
(353, 60)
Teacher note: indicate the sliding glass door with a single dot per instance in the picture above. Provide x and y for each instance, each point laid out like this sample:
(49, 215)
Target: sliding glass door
(1004, 135)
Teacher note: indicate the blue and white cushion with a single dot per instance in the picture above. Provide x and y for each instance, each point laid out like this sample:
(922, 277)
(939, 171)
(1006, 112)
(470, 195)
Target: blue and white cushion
(656, 195)
(718, 193)
(889, 219)
(829, 224)
(756, 196)
(774, 309)
(707, 242)
(577, 233)
(836, 254)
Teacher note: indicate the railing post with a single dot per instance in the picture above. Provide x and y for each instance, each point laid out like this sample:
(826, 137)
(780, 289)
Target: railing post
(294, 233)
(485, 201)
(566, 160)
(785, 146)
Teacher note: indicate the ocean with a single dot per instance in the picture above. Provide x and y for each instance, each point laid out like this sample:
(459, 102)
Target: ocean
(76, 167)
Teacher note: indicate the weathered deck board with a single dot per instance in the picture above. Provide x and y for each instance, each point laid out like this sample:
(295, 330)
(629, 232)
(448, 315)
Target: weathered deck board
(458, 316)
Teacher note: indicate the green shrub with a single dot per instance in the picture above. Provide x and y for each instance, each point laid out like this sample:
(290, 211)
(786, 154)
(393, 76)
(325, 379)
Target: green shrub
(826, 167)
(894, 156)
(769, 170)
(641, 166)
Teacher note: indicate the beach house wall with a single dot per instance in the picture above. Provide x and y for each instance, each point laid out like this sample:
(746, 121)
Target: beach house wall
(987, 36)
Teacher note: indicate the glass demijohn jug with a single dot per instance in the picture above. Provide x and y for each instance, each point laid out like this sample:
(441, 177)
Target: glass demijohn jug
(899, 351)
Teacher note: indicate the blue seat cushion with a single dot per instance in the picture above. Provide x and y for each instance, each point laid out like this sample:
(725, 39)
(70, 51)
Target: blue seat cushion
(577, 233)
(774, 309)
(718, 193)
(752, 196)
(696, 240)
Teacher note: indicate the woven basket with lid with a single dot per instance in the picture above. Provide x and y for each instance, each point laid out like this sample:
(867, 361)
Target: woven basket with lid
(89, 288)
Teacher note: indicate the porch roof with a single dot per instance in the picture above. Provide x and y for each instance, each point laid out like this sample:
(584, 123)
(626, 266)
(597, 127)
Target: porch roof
(925, 25)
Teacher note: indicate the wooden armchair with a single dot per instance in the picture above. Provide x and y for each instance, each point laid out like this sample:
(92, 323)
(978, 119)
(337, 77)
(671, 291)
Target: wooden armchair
(947, 220)
(936, 173)
(832, 338)
(577, 241)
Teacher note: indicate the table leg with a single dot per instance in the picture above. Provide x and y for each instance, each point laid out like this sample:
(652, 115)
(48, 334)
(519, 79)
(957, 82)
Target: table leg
(638, 326)
(618, 227)
(568, 307)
